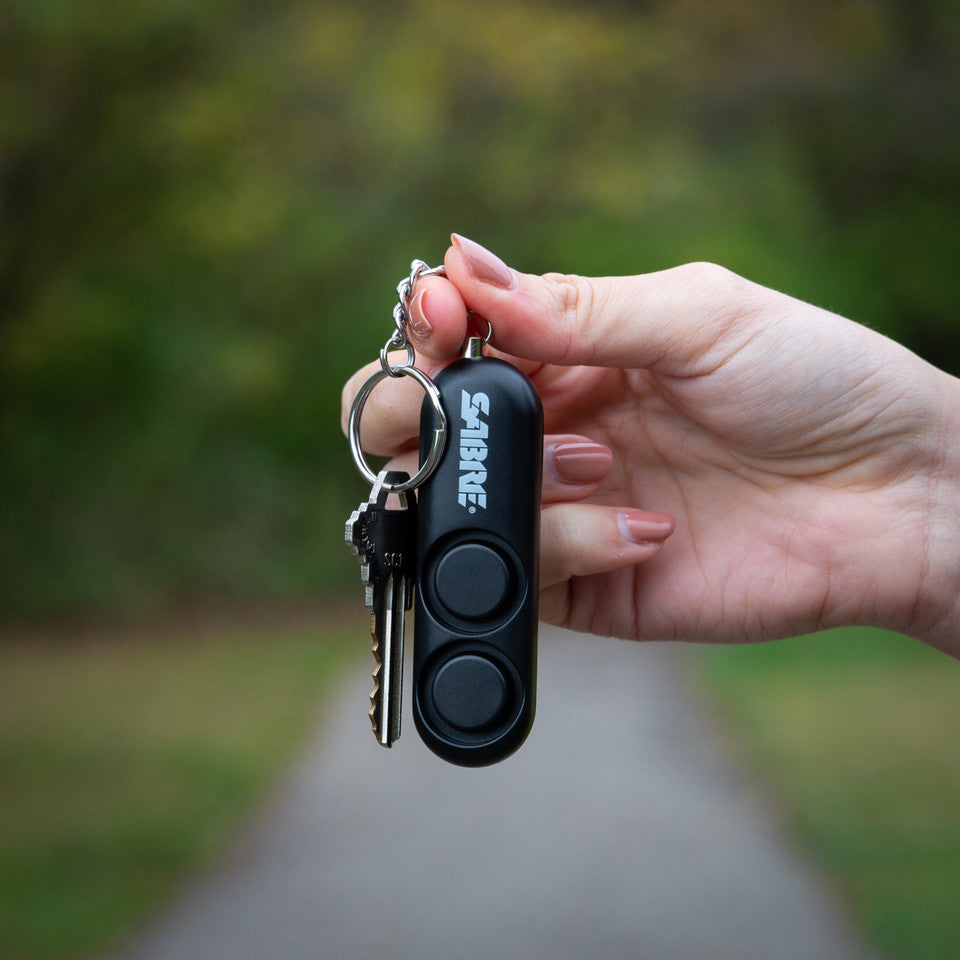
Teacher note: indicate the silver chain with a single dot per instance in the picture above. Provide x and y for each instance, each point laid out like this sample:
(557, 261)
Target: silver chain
(399, 341)
(401, 314)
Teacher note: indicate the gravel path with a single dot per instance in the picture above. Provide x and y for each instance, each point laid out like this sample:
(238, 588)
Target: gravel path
(622, 829)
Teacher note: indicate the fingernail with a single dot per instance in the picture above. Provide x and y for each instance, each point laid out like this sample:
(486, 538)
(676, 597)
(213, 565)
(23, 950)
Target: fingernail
(483, 264)
(579, 461)
(643, 527)
(417, 316)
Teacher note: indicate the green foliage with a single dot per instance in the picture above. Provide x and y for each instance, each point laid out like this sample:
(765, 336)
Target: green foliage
(206, 207)
(128, 761)
(856, 731)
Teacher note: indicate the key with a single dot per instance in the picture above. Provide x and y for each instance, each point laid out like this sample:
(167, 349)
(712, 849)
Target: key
(384, 542)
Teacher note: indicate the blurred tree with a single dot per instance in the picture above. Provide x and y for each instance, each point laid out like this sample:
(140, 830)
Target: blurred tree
(204, 209)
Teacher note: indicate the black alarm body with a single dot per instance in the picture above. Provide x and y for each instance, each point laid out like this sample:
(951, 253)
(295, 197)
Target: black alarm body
(478, 549)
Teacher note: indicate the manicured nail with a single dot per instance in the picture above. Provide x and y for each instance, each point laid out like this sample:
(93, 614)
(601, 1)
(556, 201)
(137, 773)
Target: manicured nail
(643, 527)
(483, 264)
(417, 316)
(579, 461)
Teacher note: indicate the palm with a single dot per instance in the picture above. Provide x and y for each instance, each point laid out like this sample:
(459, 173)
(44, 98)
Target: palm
(755, 490)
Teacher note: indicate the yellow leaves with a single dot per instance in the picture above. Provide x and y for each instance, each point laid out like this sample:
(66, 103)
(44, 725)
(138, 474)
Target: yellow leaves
(233, 214)
(408, 76)
(250, 369)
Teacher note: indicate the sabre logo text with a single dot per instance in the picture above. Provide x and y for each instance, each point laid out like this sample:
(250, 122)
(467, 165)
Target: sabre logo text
(473, 450)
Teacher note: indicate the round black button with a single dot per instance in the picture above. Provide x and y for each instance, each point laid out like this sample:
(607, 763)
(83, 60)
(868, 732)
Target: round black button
(470, 692)
(472, 581)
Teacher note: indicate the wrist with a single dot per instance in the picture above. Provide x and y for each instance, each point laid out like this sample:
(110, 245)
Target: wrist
(931, 611)
(891, 547)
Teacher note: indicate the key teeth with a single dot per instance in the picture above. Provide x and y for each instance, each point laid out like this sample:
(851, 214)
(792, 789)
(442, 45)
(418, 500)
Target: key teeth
(376, 695)
(375, 692)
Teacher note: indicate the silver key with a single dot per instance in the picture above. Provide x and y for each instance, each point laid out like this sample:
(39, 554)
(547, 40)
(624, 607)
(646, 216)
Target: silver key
(384, 541)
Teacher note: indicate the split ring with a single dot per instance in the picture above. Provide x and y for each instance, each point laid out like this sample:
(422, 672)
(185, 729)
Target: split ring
(396, 370)
(439, 434)
(473, 315)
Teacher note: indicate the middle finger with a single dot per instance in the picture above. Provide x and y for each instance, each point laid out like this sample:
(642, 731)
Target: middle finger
(573, 467)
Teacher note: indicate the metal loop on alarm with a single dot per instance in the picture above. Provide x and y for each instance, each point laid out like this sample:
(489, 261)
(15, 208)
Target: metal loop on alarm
(439, 434)
(473, 315)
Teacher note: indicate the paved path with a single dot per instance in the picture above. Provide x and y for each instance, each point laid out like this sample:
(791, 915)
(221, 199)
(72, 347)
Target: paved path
(620, 830)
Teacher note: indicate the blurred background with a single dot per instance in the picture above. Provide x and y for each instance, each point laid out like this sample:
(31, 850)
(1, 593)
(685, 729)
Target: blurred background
(205, 206)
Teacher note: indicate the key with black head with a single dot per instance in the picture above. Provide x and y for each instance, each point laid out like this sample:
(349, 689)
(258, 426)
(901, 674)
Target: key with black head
(383, 540)
(477, 581)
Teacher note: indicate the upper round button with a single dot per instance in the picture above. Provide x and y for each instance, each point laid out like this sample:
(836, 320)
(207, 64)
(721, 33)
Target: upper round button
(472, 581)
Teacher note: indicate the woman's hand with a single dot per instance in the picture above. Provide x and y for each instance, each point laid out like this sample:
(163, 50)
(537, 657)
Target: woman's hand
(723, 462)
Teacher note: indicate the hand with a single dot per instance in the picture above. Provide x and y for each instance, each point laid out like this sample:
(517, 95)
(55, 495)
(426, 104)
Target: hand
(803, 468)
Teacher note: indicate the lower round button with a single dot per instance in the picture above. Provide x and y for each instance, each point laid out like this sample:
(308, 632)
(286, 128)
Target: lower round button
(470, 692)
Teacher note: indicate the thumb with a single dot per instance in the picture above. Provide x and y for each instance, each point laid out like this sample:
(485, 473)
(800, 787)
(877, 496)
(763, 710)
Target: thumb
(678, 321)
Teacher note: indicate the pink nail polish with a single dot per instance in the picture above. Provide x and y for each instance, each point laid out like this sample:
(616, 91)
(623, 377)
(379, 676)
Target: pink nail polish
(483, 264)
(579, 461)
(643, 527)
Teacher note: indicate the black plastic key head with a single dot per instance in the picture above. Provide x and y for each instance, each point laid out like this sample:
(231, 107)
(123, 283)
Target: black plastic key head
(382, 537)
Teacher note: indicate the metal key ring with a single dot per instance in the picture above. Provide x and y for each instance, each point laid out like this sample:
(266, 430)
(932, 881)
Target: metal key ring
(439, 434)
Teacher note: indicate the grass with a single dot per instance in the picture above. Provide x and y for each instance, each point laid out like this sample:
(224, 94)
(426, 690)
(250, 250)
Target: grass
(859, 733)
(128, 761)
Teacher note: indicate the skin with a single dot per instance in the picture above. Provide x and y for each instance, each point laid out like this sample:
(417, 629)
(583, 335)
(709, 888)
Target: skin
(788, 470)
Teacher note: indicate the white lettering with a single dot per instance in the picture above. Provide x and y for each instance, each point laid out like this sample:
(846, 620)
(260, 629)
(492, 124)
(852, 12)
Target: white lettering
(473, 450)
